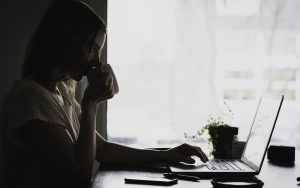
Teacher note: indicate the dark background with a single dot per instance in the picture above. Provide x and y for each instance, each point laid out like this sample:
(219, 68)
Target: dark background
(19, 20)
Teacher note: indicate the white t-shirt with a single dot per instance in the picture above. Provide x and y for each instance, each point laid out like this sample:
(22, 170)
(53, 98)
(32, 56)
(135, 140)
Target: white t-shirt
(27, 100)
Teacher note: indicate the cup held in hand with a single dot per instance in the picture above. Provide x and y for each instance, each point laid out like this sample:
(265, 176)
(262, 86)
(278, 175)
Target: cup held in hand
(108, 68)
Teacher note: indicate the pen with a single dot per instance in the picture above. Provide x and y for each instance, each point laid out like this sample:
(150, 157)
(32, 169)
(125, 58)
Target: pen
(182, 177)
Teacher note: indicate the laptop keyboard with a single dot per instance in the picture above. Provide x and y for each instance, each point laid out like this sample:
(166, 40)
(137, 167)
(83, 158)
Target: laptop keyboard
(219, 164)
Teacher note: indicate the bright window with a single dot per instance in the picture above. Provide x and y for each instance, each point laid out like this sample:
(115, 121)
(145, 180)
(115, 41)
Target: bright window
(177, 60)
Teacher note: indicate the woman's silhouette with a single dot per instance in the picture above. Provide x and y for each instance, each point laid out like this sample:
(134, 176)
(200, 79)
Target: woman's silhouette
(48, 139)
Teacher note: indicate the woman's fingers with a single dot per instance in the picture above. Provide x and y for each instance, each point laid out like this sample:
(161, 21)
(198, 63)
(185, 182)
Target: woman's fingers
(108, 81)
(184, 153)
(201, 154)
(101, 86)
(109, 87)
(194, 150)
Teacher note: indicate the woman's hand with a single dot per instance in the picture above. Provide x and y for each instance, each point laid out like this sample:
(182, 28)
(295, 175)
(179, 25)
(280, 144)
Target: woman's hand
(100, 86)
(183, 153)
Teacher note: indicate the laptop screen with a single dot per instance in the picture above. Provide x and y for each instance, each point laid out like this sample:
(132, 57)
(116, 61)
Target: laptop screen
(262, 128)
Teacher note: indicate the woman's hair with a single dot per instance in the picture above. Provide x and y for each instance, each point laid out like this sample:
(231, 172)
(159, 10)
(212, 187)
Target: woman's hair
(66, 29)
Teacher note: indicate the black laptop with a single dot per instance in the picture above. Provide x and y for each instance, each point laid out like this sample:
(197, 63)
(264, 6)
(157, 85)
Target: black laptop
(255, 149)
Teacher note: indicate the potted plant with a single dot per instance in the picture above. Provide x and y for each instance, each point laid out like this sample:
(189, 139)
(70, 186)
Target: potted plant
(221, 138)
(221, 134)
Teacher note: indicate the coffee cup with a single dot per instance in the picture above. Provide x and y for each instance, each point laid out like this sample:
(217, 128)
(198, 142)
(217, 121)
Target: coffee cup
(108, 68)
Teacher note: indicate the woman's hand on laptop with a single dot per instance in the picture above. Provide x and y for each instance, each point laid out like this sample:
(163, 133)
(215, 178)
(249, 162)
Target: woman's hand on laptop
(184, 153)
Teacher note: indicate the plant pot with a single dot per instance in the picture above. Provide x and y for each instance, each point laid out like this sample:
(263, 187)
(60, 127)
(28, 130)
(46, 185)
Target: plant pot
(222, 138)
(237, 149)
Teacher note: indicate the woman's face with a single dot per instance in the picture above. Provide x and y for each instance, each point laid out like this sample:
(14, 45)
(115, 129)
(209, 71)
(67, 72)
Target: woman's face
(94, 53)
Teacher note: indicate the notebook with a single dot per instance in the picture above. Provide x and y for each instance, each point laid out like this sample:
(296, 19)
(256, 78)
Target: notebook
(254, 151)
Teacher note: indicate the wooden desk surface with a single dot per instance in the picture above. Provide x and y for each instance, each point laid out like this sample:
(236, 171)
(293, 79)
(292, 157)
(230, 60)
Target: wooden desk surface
(273, 176)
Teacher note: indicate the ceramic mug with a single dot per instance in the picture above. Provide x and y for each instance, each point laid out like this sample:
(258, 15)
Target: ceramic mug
(107, 67)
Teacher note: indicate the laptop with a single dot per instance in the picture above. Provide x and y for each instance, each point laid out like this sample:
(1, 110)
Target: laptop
(254, 151)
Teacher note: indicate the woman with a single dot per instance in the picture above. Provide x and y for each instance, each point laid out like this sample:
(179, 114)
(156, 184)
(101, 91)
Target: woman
(46, 135)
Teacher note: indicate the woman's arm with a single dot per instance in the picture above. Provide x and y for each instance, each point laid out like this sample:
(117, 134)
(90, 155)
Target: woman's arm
(85, 146)
(112, 153)
(107, 152)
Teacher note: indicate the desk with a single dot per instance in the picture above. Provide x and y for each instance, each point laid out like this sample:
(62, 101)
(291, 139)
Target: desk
(273, 176)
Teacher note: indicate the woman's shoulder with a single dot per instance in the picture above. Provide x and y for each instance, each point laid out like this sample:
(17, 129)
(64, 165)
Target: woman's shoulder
(28, 100)
(27, 91)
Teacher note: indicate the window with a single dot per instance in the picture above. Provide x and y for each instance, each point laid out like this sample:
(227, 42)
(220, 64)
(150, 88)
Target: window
(178, 60)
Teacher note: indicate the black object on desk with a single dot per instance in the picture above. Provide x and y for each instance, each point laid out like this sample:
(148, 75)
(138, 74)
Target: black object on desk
(150, 180)
(283, 155)
(242, 182)
(298, 179)
(181, 177)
